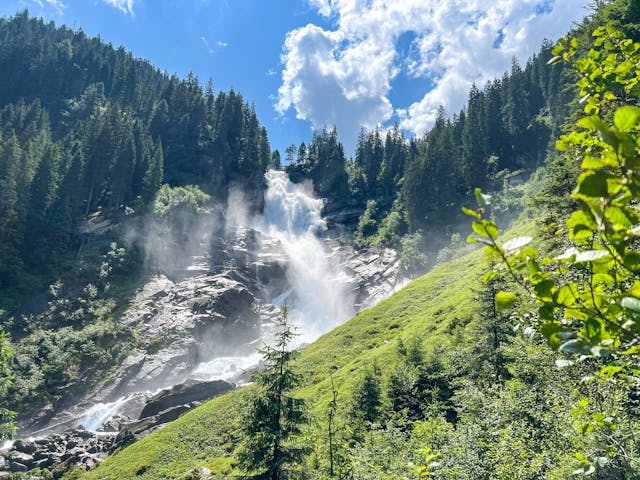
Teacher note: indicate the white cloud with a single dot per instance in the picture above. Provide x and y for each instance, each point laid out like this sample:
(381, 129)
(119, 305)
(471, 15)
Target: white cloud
(126, 6)
(57, 5)
(210, 49)
(205, 42)
(345, 75)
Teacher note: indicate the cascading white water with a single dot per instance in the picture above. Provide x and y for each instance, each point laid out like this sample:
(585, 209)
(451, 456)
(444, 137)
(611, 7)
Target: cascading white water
(316, 294)
(94, 417)
(319, 300)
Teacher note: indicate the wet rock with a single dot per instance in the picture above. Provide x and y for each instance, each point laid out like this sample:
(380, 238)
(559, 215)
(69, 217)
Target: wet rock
(24, 446)
(20, 457)
(217, 306)
(183, 394)
(17, 467)
(58, 452)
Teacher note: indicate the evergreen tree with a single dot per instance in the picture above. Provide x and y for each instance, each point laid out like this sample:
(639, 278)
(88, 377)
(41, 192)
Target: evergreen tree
(153, 176)
(274, 418)
(366, 403)
(276, 162)
(7, 427)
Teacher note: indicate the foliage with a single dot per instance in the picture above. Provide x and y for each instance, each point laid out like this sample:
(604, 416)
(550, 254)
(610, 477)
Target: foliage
(587, 297)
(76, 337)
(7, 428)
(86, 128)
(412, 260)
(170, 201)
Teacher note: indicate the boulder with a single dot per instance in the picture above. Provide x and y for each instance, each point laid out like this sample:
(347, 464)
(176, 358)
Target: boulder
(25, 446)
(183, 394)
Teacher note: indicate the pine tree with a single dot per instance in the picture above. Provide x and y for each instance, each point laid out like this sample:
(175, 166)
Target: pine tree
(274, 418)
(153, 176)
(367, 397)
(7, 427)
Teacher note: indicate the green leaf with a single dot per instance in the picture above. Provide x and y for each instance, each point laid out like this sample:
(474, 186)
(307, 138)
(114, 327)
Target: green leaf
(591, 256)
(543, 290)
(565, 296)
(486, 228)
(593, 123)
(593, 184)
(631, 303)
(575, 346)
(545, 312)
(489, 276)
(505, 300)
(627, 117)
(580, 217)
(482, 198)
(471, 213)
(632, 260)
(634, 290)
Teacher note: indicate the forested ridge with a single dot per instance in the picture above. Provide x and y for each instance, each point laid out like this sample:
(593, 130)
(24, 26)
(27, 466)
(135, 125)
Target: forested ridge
(88, 128)
(440, 380)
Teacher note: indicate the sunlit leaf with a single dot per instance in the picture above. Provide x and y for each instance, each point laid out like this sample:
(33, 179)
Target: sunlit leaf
(516, 243)
(591, 255)
(471, 213)
(505, 300)
(627, 117)
(631, 303)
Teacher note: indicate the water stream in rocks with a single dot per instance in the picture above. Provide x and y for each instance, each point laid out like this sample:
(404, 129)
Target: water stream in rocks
(202, 322)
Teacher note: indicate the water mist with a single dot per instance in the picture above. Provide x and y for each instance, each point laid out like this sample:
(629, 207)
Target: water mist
(317, 296)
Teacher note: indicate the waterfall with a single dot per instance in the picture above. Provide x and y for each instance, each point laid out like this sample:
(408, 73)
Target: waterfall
(317, 299)
(315, 288)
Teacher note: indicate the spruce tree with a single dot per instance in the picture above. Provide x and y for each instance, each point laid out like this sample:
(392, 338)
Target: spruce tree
(7, 426)
(274, 417)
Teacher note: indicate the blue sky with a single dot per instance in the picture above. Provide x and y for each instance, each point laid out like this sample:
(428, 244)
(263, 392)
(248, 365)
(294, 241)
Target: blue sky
(306, 63)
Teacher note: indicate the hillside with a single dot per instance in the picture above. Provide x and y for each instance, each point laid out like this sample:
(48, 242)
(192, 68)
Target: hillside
(436, 308)
(481, 392)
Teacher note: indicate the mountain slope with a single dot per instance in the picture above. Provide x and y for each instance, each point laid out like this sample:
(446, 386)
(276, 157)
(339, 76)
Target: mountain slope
(457, 379)
(430, 307)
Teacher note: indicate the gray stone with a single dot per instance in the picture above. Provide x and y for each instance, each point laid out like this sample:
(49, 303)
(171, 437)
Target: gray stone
(184, 394)
(24, 446)
(17, 467)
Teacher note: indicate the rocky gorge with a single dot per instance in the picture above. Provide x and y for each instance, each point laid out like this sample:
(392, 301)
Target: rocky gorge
(199, 319)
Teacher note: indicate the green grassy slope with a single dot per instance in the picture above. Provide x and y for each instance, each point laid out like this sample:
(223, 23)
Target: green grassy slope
(434, 307)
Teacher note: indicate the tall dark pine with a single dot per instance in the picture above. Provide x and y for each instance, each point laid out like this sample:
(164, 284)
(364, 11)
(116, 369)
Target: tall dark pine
(274, 418)
(10, 222)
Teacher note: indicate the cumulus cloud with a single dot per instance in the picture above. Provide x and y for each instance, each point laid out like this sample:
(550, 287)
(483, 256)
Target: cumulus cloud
(125, 6)
(344, 75)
